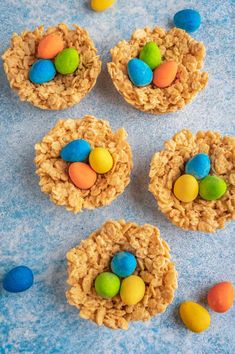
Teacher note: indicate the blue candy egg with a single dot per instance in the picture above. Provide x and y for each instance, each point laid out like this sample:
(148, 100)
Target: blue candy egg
(18, 279)
(139, 72)
(188, 20)
(76, 151)
(123, 264)
(43, 70)
(199, 166)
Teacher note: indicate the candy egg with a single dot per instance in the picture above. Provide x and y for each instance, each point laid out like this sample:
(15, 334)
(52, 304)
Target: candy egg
(123, 264)
(101, 160)
(139, 72)
(195, 317)
(67, 61)
(151, 55)
(49, 46)
(221, 296)
(188, 20)
(101, 5)
(82, 175)
(132, 290)
(42, 71)
(18, 279)
(212, 188)
(107, 284)
(186, 188)
(165, 74)
(76, 151)
(199, 166)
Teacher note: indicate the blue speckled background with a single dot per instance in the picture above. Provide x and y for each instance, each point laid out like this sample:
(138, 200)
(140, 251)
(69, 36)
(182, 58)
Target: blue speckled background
(37, 233)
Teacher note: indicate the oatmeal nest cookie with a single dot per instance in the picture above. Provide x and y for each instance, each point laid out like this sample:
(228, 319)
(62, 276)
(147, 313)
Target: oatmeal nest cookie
(53, 171)
(64, 90)
(167, 165)
(174, 45)
(93, 256)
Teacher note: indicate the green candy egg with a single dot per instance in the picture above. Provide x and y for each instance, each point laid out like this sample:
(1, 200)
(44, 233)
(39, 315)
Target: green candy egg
(67, 61)
(151, 55)
(212, 188)
(107, 284)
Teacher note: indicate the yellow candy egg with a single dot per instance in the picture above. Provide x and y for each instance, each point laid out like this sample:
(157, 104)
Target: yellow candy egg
(101, 160)
(101, 5)
(195, 317)
(186, 188)
(132, 290)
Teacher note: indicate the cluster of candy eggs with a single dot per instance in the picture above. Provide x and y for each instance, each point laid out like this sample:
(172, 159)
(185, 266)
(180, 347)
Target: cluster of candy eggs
(149, 68)
(53, 58)
(220, 299)
(78, 153)
(197, 180)
(131, 288)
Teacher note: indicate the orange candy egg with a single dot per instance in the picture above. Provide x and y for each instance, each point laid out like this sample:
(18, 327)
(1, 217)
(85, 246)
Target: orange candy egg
(165, 74)
(82, 175)
(221, 296)
(50, 46)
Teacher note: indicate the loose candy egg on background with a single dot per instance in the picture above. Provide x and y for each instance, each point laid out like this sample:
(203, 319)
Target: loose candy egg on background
(151, 55)
(188, 20)
(42, 71)
(67, 61)
(49, 46)
(101, 5)
(194, 316)
(199, 166)
(123, 264)
(132, 290)
(221, 297)
(101, 160)
(18, 279)
(76, 151)
(107, 284)
(139, 72)
(186, 188)
(165, 74)
(82, 175)
(212, 188)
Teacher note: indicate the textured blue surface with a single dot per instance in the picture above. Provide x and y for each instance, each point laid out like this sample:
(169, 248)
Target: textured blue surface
(37, 233)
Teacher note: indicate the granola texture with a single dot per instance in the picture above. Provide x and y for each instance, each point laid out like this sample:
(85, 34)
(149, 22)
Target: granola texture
(93, 256)
(167, 165)
(174, 45)
(64, 90)
(53, 171)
